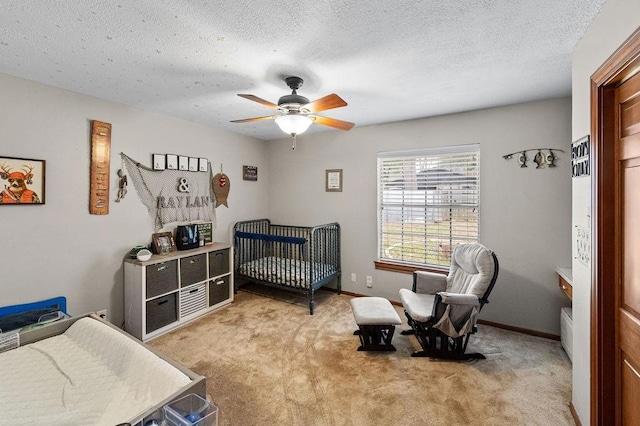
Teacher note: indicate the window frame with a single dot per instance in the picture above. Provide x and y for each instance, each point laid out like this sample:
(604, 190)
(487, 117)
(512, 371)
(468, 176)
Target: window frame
(424, 156)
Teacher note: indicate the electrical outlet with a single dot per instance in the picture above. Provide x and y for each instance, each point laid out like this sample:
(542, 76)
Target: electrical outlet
(369, 281)
(103, 314)
(353, 278)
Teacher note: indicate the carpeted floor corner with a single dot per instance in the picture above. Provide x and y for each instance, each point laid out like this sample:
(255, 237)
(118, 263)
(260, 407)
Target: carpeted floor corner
(268, 362)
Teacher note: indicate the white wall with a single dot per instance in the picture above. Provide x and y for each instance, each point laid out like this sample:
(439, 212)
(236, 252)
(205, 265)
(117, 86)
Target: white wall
(525, 213)
(614, 24)
(59, 248)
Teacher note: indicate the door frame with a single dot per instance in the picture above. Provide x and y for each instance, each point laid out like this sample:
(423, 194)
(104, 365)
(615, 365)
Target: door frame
(620, 66)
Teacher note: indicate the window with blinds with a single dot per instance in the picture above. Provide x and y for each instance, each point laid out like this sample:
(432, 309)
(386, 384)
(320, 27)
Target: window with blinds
(428, 202)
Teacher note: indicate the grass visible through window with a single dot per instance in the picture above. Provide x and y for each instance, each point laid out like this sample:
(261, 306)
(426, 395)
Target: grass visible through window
(425, 243)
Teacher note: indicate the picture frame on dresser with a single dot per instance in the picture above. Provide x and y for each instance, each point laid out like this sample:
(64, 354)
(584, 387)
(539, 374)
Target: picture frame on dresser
(205, 231)
(163, 243)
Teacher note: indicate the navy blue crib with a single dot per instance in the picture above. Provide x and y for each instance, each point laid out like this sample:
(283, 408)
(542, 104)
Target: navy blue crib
(295, 258)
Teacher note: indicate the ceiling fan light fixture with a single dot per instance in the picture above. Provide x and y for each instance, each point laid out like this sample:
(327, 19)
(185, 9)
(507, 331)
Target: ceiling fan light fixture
(296, 113)
(294, 124)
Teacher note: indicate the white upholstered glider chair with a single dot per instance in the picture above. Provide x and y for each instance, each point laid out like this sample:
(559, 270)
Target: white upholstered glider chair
(442, 310)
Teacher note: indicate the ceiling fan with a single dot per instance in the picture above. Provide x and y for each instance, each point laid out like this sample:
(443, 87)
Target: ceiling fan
(297, 113)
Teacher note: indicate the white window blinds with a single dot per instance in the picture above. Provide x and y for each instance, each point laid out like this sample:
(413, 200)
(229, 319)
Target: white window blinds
(428, 202)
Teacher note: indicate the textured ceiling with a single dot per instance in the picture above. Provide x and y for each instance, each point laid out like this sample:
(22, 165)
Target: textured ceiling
(390, 60)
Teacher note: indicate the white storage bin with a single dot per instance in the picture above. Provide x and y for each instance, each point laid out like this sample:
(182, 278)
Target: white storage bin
(566, 331)
(193, 299)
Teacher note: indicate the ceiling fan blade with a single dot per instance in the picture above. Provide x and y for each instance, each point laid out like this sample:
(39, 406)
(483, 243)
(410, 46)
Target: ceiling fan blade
(332, 122)
(248, 120)
(327, 102)
(259, 100)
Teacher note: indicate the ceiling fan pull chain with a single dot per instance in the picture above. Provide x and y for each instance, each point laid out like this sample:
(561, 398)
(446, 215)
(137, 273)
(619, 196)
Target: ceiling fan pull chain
(294, 142)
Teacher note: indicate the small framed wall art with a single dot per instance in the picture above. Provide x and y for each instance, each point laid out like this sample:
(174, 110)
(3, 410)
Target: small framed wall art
(172, 162)
(183, 162)
(580, 157)
(249, 173)
(23, 180)
(193, 164)
(333, 180)
(163, 242)
(203, 165)
(159, 161)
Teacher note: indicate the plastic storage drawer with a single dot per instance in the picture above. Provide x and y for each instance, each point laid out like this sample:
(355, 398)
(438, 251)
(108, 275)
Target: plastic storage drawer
(193, 269)
(191, 410)
(218, 262)
(161, 278)
(218, 290)
(161, 311)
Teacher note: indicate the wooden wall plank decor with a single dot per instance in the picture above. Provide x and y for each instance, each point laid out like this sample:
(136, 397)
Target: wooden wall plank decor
(100, 165)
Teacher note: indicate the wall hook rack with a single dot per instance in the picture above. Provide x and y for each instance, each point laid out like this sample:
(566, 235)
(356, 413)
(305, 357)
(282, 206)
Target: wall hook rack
(540, 158)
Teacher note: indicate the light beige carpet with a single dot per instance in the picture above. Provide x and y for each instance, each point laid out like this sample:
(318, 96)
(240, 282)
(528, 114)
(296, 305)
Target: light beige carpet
(268, 362)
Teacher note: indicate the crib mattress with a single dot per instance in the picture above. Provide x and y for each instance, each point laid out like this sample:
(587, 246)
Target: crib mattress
(89, 375)
(290, 272)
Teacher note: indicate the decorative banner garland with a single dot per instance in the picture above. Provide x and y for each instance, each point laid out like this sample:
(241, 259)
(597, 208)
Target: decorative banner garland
(173, 195)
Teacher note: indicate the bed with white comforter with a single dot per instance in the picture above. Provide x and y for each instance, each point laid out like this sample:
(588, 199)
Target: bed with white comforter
(91, 374)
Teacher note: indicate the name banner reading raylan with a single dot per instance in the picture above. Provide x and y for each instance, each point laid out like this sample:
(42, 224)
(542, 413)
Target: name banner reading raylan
(173, 195)
(580, 157)
(179, 202)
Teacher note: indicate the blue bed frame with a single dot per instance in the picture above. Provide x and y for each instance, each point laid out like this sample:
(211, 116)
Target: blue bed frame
(39, 308)
(57, 303)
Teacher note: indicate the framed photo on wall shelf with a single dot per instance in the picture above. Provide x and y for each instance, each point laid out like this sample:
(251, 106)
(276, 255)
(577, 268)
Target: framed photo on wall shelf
(159, 161)
(333, 180)
(172, 162)
(163, 242)
(23, 181)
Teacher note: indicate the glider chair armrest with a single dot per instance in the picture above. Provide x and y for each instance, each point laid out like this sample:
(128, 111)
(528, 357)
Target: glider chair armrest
(459, 299)
(425, 282)
(455, 314)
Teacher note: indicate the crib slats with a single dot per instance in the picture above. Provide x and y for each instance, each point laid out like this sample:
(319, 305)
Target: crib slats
(291, 257)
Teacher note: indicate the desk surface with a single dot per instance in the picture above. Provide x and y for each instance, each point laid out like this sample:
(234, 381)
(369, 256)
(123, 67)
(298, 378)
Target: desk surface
(566, 274)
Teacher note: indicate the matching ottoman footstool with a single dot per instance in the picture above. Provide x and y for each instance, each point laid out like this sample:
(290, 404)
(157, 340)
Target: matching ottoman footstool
(376, 319)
